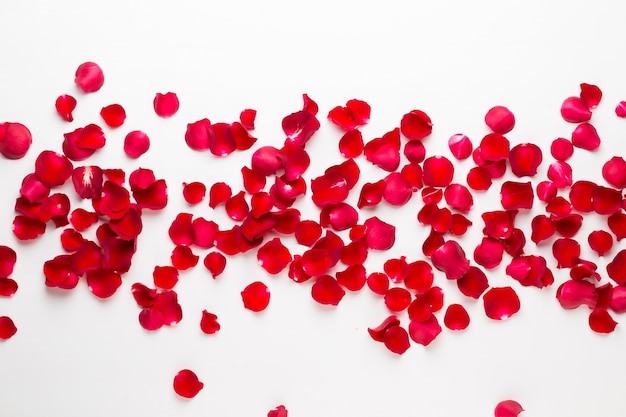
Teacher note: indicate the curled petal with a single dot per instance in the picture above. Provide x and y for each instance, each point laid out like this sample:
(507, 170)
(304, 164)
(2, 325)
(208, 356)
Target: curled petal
(574, 110)
(65, 105)
(339, 216)
(383, 152)
(219, 193)
(8, 287)
(474, 283)
(396, 268)
(8, 257)
(600, 241)
(87, 181)
(371, 194)
(247, 117)
(237, 207)
(560, 173)
(450, 258)
(208, 323)
(542, 228)
(574, 293)
(165, 105)
(501, 303)
(606, 200)
(499, 224)
(295, 161)
(566, 252)
(600, 321)
(416, 125)
(199, 135)
(53, 169)
(590, 95)
(329, 188)
(500, 119)
(620, 109)
(353, 278)
(378, 332)
(25, 228)
(586, 137)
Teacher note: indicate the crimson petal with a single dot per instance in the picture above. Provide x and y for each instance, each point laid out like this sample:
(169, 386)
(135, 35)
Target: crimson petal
(501, 303)
(186, 384)
(508, 408)
(165, 105)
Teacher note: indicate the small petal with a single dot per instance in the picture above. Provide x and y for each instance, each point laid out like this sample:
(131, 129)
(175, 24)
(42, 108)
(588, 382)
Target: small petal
(590, 95)
(215, 263)
(574, 110)
(600, 321)
(186, 384)
(424, 333)
(208, 323)
(438, 171)
(561, 149)
(525, 158)
(7, 328)
(456, 317)
(136, 143)
(247, 118)
(65, 105)
(113, 115)
(450, 258)
(274, 256)
(586, 137)
(416, 125)
(501, 303)
(89, 77)
(508, 408)
(165, 105)
(256, 296)
(500, 119)
(326, 290)
(460, 146)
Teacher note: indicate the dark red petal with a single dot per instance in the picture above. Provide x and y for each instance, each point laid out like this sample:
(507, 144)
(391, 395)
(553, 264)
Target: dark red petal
(25, 228)
(560, 173)
(82, 219)
(215, 263)
(295, 160)
(274, 256)
(136, 143)
(508, 408)
(286, 220)
(397, 299)
(307, 232)
(165, 277)
(186, 384)
(378, 332)
(89, 77)
(479, 179)
(379, 235)
(165, 105)
(542, 228)
(144, 296)
(339, 216)
(525, 158)
(416, 125)
(516, 195)
(450, 258)
(606, 200)
(501, 303)
(33, 189)
(397, 190)
(600, 241)
(371, 194)
(103, 283)
(574, 110)
(561, 149)
(460, 146)
(494, 147)
(414, 151)
(199, 135)
(219, 193)
(329, 188)
(600, 321)
(500, 119)
(456, 317)
(458, 196)
(208, 323)
(566, 252)
(378, 283)
(432, 242)
(247, 117)
(59, 273)
(113, 115)
(568, 226)
(237, 207)
(586, 137)
(617, 224)
(396, 339)
(488, 253)
(87, 181)
(424, 332)
(581, 195)
(65, 105)
(8, 287)
(243, 139)
(351, 144)
(114, 201)
(352, 278)
(256, 296)
(8, 257)
(183, 258)
(590, 95)
(52, 169)
(437, 171)
(151, 319)
(574, 293)
(474, 283)
(326, 290)
(614, 172)
(7, 328)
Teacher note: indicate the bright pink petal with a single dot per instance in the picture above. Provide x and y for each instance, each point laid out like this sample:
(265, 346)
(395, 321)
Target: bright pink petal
(65, 105)
(136, 143)
(416, 125)
(424, 332)
(151, 319)
(620, 109)
(165, 105)
(89, 77)
(458, 197)
(574, 293)
(450, 258)
(586, 137)
(500, 119)
(279, 411)
(508, 408)
(219, 193)
(501, 303)
(186, 384)
(574, 110)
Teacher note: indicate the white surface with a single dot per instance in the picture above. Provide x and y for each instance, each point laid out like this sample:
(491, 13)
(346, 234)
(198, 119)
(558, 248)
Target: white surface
(75, 355)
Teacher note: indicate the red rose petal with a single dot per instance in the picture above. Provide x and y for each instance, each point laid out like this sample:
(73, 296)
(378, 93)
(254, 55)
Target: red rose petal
(617, 225)
(396, 339)
(52, 169)
(416, 125)
(379, 235)
(494, 147)
(561, 149)
(414, 151)
(488, 253)
(215, 263)
(7, 328)
(460, 146)
(194, 192)
(542, 228)
(151, 319)
(378, 283)
(516, 195)
(8, 287)
(186, 384)
(301, 125)
(136, 143)
(479, 179)
(456, 317)
(219, 193)
(508, 408)
(256, 296)
(113, 115)
(65, 105)
(397, 299)
(450, 258)
(566, 252)
(500, 119)
(600, 321)
(247, 117)
(590, 95)
(87, 181)
(183, 258)
(525, 158)
(25, 228)
(326, 290)
(600, 241)
(15, 140)
(8, 257)
(397, 190)
(560, 173)
(499, 224)
(384, 152)
(279, 411)
(354, 253)
(371, 194)
(501, 303)
(59, 273)
(103, 283)
(286, 220)
(165, 105)
(617, 268)
(330, 188)
(353, 278)
(438, 171)
(356, 113)
(419, 276)
(208, 323)
(606, 200)
(165, 277)
(574, 110)
(614, 172)
(474, 283)
(274, 256)
(307, 232)
(181, 231)
(199, 135)
(295, 160)
(89, 77)
(351, 144)
(620, 109)
(458, 197)
(339, 216)
(82, 219)
(574, 293)
(378, 332)
(617, 303)
(424, 332)
(586, 137)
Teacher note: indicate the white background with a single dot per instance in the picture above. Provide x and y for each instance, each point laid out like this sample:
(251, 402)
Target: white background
(75, 355)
